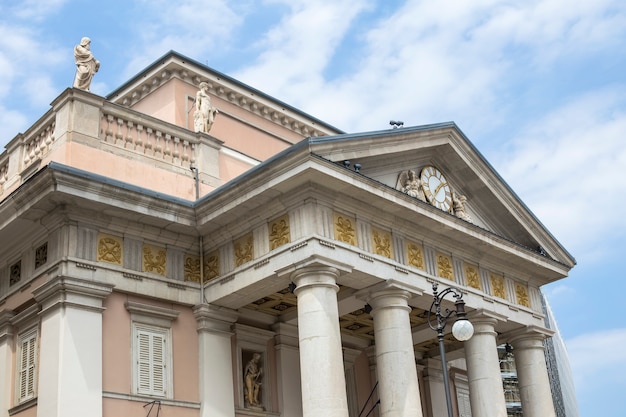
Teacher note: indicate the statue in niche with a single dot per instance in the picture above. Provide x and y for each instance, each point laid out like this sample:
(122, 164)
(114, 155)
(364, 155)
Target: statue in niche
(86, 64)
(409, 183)
(458, 205)
(252, 378)
(204, 115)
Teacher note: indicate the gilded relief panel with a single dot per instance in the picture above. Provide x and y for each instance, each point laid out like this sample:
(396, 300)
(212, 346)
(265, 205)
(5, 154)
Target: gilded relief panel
(110, 249)
(211, 266)
(415, 255)
(381, 242)
(497, 285)
(244, 249)
(192, 268)
(279, 232)
(345, 228)
(154, 259)
(521, 295)
(444, 266)
(472, 276)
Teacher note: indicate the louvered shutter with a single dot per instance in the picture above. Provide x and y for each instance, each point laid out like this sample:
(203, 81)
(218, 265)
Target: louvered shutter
(151, 360)
(27, 367)
(463, 398)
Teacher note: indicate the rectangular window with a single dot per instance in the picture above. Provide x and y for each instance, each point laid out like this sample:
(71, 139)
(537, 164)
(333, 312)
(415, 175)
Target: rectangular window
(151, 360)
(27, 366)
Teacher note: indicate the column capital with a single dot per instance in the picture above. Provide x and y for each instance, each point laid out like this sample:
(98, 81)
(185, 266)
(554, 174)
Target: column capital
(315, 276)
(71, 292)
(527, 337)
(6, 327)
(214, 319)
(390, 287)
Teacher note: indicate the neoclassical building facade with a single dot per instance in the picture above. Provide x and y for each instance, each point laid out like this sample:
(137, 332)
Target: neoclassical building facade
(266, 265)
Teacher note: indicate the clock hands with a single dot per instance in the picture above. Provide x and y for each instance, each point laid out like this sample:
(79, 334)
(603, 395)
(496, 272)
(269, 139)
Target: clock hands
(441, 184)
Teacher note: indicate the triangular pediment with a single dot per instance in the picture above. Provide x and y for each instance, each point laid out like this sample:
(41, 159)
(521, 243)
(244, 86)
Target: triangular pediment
(486, 201)
(166, 89)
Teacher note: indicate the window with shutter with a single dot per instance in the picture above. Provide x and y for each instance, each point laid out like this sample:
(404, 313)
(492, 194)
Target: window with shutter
(27, 365)
(151, 352)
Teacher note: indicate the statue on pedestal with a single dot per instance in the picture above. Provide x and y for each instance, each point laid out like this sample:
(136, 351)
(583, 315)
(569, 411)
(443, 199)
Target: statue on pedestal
(252, 379)
(204, 116)
(86, 64)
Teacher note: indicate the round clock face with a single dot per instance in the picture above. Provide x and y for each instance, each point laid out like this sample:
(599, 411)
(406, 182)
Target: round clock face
(436, 188)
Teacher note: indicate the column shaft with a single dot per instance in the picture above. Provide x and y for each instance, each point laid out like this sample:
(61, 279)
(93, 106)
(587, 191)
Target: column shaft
(6, 362)
(70, 356)
(532, 374)
(395, 358)
(321, 360)
(483, 370)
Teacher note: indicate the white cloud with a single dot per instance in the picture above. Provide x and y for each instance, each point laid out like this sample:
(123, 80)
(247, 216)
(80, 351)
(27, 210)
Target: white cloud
(192, 27)
(598, 356)
(568, 166)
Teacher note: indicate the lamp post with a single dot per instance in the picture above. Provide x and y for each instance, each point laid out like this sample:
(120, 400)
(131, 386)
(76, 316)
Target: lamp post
(462, 329)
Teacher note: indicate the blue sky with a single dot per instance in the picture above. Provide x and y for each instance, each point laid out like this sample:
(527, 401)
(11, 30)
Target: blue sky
(539, 86)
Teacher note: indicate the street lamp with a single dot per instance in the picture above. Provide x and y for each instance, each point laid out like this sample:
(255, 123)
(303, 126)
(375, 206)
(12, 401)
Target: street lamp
(462, 329)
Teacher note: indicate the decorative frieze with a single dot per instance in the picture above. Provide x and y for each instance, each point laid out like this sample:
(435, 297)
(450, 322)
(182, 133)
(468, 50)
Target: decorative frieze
(192, 268)
(415, 255)
(472, 277)
(211, 265)
(279, 232)
(15, 273)
(444, 266)
(154, 259)
(41, 255)
(345, 230)
(110, 249)
(244, 249)
(521, 295)
(497, 285)
(381, 242)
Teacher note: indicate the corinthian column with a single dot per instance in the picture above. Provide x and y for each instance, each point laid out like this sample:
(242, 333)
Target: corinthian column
(532, 373)
(321, 360)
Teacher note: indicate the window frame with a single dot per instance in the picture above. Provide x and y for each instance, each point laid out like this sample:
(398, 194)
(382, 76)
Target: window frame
(30, 371)
(152, 360)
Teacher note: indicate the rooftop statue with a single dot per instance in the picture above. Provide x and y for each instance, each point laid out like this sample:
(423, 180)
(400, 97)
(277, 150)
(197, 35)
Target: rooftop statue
(86, 64)
(204, 116)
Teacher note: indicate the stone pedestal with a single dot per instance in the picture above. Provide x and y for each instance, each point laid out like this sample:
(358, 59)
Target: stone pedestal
(321, 360)
(483, 368)
(216, 389)
(532, 374)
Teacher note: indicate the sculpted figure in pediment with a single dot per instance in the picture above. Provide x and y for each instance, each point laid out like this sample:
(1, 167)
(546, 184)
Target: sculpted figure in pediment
(86, 64)
(409, 183)
(458, 205)
(204, 115)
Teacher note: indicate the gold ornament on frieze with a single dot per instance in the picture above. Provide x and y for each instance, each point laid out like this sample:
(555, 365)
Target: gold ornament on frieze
(472, 276)
(444, 267)
(279, 232)
(244, 249)
(381, 241)
(415, 255)
(110, 249)
(154, 259)
(211, 266)
(521, 294)
(497, 286)
(345, 230)
(192, 268)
